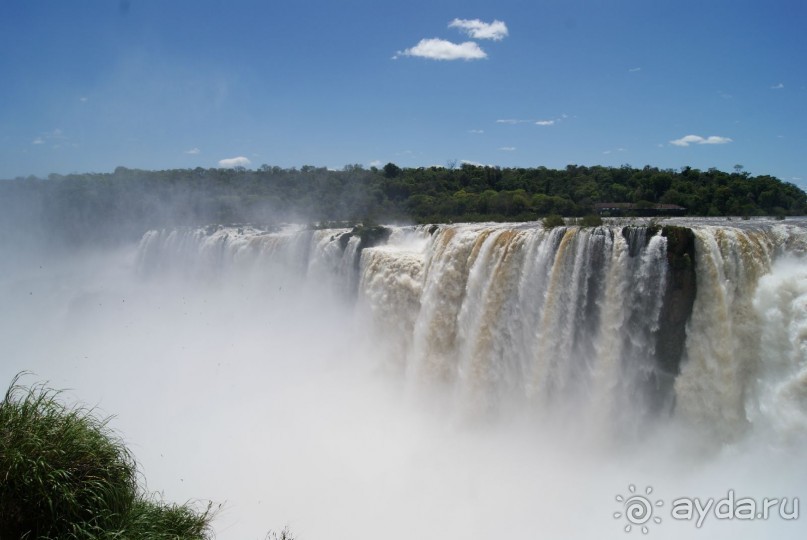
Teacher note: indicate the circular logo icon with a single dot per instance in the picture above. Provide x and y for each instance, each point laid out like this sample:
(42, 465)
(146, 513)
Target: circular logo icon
(637, 509)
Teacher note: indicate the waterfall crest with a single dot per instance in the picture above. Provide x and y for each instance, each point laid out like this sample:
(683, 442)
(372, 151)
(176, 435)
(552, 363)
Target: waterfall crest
(699, 322)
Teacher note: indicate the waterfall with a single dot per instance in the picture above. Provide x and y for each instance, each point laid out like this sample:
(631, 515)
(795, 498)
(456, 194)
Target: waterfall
(612, 326)
(547, 318)
(733, 336)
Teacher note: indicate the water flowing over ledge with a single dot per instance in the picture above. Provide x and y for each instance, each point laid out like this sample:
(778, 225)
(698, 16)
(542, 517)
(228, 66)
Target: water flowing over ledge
(613, 326)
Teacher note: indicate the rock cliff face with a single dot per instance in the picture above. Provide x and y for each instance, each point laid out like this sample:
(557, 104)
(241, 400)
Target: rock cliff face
(679, 297)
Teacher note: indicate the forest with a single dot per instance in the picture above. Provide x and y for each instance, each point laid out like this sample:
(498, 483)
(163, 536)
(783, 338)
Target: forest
(94, 207)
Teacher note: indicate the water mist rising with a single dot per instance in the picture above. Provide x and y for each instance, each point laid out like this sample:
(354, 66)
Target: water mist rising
(468, 381)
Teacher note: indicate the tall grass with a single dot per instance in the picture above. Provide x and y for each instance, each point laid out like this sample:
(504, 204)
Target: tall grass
(64, 474)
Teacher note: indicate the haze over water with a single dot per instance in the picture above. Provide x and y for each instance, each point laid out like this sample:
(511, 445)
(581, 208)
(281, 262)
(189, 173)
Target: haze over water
(430, 392)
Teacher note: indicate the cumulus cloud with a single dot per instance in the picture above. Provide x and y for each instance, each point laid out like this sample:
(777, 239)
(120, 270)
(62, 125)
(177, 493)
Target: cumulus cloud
(477, 29)
(777, 86)
(544, 122)
(230, 163)
(440, 49)
(193, 151)
(697, 139)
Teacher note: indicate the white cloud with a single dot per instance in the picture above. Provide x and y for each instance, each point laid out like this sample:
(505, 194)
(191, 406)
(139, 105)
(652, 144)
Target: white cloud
(38, 140)
(714, 139)
(549, 122)
(477, 29)
(440, 49)
(476, 131)
(230, 163)
(508, 148)
(193, 151)
(634, 70)
(697, 139)
(376, 163)
(777, 86)
(687, 140)
(82, 99)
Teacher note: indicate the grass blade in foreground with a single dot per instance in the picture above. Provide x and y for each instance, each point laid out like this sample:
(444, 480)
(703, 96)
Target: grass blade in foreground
(65, 474)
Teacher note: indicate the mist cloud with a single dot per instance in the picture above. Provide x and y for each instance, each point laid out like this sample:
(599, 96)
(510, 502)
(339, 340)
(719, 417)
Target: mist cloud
(263, 389)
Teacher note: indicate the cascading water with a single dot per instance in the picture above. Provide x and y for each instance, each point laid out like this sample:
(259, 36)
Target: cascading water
(779, 401)
(609, 326)
(562, 318)
(728, 348)
(465, 381)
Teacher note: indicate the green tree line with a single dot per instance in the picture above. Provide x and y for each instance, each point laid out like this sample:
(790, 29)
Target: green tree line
(124, 203)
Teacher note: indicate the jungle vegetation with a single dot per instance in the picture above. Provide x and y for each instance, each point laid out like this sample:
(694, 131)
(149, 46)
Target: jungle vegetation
(124, 203)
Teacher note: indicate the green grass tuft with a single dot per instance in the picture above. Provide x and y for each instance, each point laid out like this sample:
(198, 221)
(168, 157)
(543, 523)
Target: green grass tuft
(64, 474)
(155, 520)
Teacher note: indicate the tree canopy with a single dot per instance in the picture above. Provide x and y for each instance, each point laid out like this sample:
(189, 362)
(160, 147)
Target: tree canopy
(124, 203)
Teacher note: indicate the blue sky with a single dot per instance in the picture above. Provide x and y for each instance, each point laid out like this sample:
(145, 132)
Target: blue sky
(91, 85)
